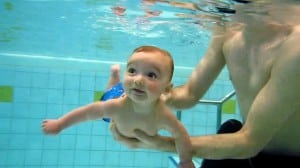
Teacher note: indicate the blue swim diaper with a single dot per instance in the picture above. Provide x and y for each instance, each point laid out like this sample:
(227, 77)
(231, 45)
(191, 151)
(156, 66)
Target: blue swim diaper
(112, 93)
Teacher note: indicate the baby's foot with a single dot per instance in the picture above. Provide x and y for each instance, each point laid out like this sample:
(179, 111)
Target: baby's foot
(115, 70)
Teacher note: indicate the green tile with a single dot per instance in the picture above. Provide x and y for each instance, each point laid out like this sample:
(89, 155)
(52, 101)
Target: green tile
(8, 6)
(98, 95)
(6, 93)
(229, 107)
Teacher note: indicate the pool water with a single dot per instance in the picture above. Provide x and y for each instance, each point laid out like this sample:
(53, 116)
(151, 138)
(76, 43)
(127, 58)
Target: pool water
(55, 56)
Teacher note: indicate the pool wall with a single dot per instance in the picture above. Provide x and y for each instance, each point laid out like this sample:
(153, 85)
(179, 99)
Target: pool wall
(33, 88)
(55, 56)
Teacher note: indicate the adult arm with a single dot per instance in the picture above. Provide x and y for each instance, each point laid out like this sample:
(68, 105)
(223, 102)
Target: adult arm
(202, 77)
(275, 103)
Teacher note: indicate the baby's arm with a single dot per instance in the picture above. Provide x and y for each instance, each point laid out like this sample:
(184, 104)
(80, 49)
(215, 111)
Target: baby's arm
(182, 141)
(183, 147)
(84, 113)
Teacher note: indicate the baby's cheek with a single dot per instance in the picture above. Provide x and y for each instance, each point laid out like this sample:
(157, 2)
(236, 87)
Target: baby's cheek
(154, 89)
(126, 83)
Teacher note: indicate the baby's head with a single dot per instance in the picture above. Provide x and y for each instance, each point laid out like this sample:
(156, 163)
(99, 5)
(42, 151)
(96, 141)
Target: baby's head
(157, 54)
(148, 73)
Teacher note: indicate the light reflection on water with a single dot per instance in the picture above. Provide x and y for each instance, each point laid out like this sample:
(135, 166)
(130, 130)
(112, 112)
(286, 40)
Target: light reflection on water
(94, 29)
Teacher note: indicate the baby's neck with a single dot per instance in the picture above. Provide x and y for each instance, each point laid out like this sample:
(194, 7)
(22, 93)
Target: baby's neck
(145, 108)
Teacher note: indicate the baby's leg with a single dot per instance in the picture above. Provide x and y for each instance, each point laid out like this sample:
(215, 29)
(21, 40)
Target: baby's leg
(114, 77)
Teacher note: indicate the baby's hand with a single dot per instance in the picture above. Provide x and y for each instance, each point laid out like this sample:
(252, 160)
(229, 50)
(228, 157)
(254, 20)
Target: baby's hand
(51, 127)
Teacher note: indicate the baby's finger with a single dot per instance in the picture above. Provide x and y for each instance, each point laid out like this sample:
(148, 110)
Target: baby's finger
(142, 135)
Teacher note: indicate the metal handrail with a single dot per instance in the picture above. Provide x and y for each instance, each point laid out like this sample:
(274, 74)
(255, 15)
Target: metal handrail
(225, 98)
(218, 103)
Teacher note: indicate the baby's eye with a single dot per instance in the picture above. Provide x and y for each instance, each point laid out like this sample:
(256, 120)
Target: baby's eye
(131, 70)
(152, 75)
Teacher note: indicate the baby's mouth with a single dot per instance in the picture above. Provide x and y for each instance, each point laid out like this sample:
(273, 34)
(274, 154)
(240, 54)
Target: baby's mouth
(138, 91)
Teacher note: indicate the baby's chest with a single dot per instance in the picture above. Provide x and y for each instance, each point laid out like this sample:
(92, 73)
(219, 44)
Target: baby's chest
(127, 124)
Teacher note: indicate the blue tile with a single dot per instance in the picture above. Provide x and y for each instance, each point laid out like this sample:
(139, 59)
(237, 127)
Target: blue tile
(87, 73)
(56, 81)
(23, 79)
(71, 82)
(141, 158)
(21, 110)
(7, 77)
(97, 158)
(51, 142)
(71, 97)
(40, 80)
(3, 157)
(164, 132)
(33, 157)
(83, 142)
(55, 96)
(112, 158)
(5, 125)
(40, 70)
(18, 141)
(84, 128)
(87, 83)
(156, 159)
(98, 142)
(4, 141)
(15, 157)
(127, 159)
(49, 157)
(5, 109)
(82, 157)
(38, 110)
(66, 157)
(35, 141)
(38, 95)
(34, 125)
(22, 94)
(101, 82)
(86, 97)
(54, 110)
(111, 144)
(19, 125)
(100, 127)
(67, 141)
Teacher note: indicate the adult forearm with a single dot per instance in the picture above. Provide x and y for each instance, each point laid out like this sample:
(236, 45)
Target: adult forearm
(181, 98)
(222, 146)
(157, 142)
(166, 144)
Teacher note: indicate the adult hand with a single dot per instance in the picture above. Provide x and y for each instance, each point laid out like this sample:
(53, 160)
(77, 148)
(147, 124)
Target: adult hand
(143, 140)
(127, 141)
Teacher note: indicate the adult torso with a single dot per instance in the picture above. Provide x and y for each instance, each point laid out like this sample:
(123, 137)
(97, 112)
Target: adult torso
(250, 63)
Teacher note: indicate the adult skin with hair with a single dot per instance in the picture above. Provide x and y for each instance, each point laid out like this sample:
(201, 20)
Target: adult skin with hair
(262, 55)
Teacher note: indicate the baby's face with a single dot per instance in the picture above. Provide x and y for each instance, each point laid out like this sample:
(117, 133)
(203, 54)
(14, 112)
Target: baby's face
(147, 76)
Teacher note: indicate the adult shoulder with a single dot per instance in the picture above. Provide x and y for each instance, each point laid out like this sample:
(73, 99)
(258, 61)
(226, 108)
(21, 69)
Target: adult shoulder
(290, 47)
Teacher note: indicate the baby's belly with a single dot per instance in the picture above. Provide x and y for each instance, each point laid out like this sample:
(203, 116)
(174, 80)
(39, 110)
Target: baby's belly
(128, 130)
